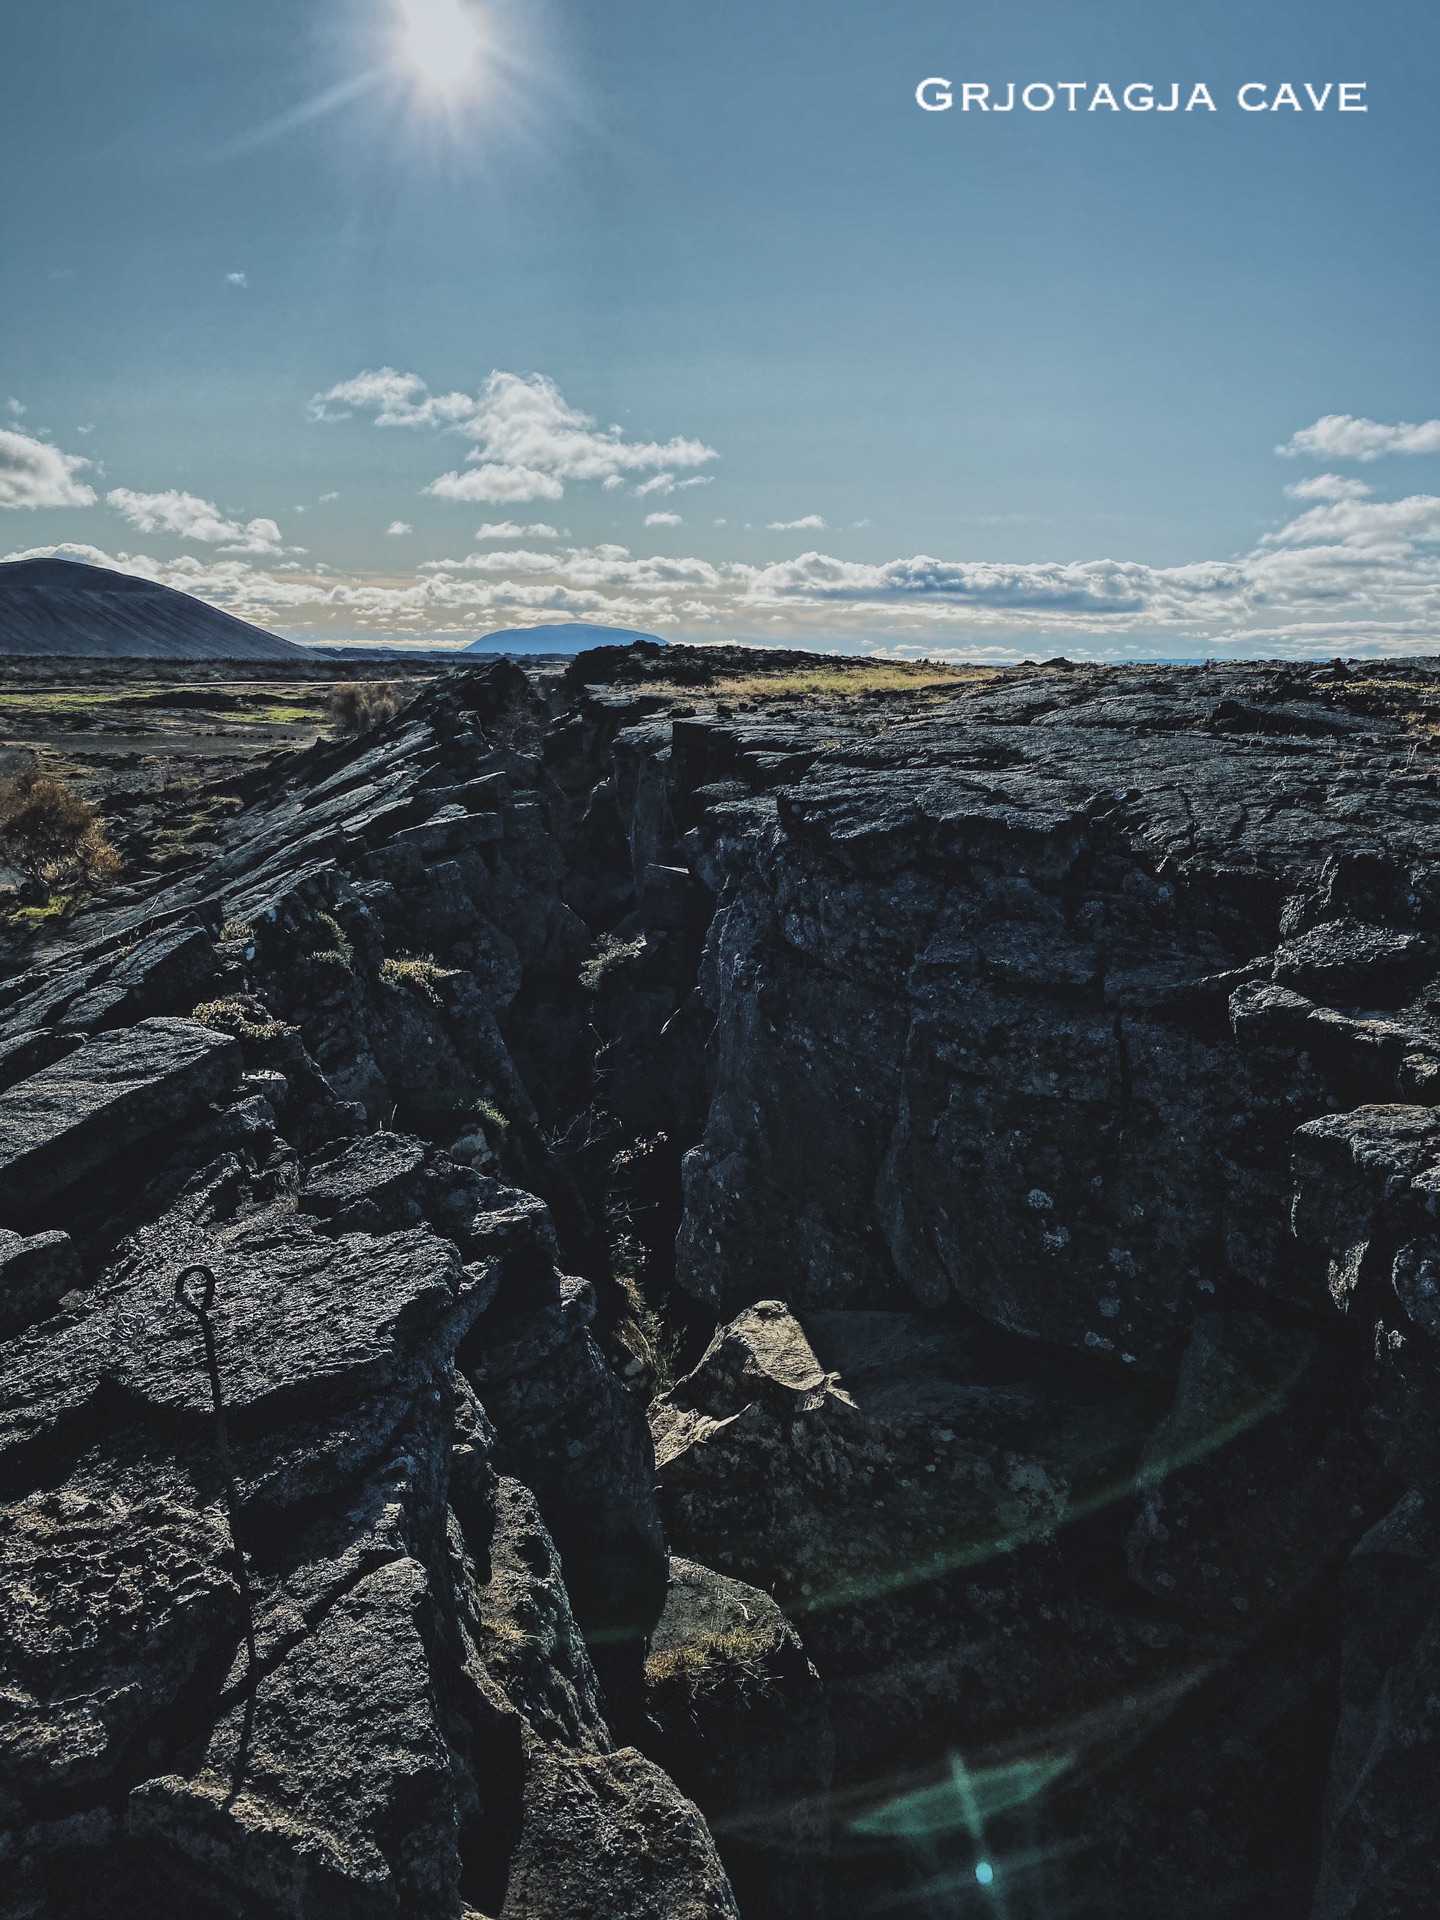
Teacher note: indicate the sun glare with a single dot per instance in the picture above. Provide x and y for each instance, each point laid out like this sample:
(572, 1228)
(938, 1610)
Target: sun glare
(441, 40)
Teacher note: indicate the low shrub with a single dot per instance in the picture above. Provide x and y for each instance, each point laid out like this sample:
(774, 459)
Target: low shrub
(356, 705)
(48, 832)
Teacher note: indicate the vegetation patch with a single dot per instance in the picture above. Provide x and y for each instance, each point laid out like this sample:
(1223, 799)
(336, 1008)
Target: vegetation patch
(49, 833)
(340, 953)
(610, 952)
(356, 705)
(422, 976)
(244, 1017)
(866, 676)
(699, 1666)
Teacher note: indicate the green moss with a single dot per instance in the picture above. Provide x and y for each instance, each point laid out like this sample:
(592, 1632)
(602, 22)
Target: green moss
(237, 930)
(58, 907)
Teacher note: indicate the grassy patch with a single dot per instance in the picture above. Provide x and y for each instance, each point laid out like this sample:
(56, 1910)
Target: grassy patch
(699, 1666)
(243, 1017)
(340, 953)
(609, 952)
(865, 676)
(30, 919)
(422, 976)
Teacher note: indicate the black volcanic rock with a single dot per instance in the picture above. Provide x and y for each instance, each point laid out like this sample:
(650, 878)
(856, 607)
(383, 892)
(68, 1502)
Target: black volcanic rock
(61, 1124)
(54, 607)
(992, 1134)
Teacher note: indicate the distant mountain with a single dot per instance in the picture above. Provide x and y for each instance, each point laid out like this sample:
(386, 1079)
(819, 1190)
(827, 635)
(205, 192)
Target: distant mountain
(67, 607)
(566, 637)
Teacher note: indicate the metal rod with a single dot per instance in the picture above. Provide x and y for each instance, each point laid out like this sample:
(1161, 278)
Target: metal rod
(200, 1305)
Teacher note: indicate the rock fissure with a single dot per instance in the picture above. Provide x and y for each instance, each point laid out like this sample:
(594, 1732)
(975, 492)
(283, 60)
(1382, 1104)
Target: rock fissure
(804, 1286)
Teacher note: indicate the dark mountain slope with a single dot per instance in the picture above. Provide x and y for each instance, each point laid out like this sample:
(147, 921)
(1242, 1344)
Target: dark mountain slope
(67, 607)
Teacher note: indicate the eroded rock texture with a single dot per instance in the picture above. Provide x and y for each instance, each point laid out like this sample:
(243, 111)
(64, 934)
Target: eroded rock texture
(823, 1307)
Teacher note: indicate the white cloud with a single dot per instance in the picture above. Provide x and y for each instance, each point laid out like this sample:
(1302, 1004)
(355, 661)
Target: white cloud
(662, 483)
(507, 530)
(33, 474)
(238, 279)
(188, 517)
(664, 520)
(1343, 436)
(811, 523)
(1327, 486)
(1394, 525)
(497, 486)
(529, 440)
(13, 406)
(399, 527)
(325, 498)
(396, 400)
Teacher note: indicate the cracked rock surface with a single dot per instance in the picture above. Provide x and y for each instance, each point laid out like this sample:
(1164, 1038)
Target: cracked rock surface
(808, 1291)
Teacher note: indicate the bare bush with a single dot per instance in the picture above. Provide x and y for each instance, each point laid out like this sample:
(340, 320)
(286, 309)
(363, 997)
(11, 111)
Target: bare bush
(49, 833)
(356, 705)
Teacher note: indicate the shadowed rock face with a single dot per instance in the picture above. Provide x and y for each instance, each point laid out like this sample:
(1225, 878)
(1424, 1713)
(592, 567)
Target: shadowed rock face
(991, 1135)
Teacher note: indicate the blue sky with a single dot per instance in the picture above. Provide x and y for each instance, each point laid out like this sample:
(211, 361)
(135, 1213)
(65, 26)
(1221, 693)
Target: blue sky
(717, 333)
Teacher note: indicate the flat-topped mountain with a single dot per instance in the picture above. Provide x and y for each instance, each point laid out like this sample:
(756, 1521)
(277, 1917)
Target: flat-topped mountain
(562, 636)
(68, 607)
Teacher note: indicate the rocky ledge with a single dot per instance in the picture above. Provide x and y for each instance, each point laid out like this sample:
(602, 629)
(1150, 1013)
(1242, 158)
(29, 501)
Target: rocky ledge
(820, 1305)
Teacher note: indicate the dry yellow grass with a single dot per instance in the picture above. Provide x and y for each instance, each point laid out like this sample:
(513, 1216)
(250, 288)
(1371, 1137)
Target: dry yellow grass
(702, 1664)
(865, 676)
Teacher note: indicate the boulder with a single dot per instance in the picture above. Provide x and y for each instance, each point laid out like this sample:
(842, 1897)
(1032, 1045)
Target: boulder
(35, 1275)
(610, 1837)
(738, 1720)
(116, 1093)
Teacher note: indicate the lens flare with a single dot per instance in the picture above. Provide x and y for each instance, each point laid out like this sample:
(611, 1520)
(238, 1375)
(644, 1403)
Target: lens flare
(441, 40)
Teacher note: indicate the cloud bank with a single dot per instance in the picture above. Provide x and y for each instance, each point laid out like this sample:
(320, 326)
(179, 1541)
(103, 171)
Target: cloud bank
(1348, 574)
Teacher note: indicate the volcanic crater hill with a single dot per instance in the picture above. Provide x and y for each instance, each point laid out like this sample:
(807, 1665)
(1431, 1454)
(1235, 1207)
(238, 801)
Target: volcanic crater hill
(825, 1304)
(67, 608)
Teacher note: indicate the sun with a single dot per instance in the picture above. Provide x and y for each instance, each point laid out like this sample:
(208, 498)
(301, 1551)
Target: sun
(440, 40)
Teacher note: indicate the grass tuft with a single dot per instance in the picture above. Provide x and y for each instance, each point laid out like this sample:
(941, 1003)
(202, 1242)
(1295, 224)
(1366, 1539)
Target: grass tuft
(699, 1666)
(243, 1017)
(340, 953)
(609, 952)
(422, 976)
